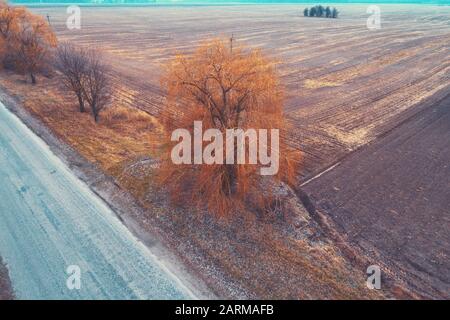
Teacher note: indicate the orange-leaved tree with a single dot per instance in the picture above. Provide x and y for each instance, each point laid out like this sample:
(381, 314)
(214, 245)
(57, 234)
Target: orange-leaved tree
(26, 40)
(10, 18)
(33, 44)
(225, 88)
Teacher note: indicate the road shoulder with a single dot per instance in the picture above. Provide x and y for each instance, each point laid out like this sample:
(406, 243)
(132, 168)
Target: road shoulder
(6, 292)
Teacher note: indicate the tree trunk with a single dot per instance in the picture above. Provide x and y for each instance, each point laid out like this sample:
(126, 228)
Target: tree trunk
(229, 185)
(95, 113)
(229, 182)
(81, 103)
(33, 78)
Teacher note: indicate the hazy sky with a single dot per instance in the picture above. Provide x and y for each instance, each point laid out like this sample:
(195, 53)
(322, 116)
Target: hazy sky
(447, 2)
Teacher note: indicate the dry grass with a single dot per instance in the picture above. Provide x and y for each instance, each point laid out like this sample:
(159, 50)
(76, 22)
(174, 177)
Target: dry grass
(123, 133)
(351, 138)
(315, 84)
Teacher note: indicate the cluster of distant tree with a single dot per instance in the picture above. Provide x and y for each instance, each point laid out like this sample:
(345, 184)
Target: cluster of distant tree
(320, 11)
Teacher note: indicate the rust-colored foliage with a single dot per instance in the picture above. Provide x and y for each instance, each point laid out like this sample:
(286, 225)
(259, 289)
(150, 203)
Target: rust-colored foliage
(9, 26)
(9, 19)
(226, 88)
(26, 40)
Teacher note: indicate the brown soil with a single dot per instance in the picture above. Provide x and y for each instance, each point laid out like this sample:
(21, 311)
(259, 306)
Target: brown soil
(391, 199)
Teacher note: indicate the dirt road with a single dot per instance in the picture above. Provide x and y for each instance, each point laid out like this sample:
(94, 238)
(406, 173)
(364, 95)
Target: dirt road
(50, 222)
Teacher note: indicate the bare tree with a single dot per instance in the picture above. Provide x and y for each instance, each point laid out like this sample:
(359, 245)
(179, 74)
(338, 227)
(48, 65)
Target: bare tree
(72, 62)
(97, 85)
